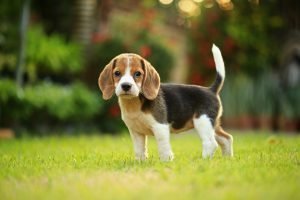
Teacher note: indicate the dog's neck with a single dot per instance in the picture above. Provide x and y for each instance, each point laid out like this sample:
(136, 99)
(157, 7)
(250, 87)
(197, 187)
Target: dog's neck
(130, 106)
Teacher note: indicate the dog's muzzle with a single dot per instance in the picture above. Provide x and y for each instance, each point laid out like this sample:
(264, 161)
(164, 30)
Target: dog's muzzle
(126, 86)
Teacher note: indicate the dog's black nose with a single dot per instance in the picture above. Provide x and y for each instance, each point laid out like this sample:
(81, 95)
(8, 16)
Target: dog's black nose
(126, 86)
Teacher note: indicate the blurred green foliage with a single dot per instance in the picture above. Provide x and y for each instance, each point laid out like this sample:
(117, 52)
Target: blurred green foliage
(56, 74)
(254, 34)
(158, 55)
(245, 35)
(9, 19)
(45, 54)
(259, 97)
(242, 95)
(248, 37)
(47, 102)
(52, 95)
(105, 51)
(290, 102)
(51, 54)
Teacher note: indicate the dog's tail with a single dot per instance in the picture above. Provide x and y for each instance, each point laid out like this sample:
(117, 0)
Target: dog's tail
(217, 85)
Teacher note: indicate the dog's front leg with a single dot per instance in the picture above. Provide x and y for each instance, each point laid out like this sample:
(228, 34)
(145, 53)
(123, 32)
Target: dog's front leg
(162, 136)
(140, 145)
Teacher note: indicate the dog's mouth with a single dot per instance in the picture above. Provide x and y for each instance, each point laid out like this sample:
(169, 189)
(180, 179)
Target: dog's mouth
(127, 95)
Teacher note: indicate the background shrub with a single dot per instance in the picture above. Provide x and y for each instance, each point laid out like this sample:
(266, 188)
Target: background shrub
(51, 55)
(46, 102)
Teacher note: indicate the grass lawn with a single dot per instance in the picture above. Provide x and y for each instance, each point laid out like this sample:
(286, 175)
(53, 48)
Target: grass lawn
(265, 166)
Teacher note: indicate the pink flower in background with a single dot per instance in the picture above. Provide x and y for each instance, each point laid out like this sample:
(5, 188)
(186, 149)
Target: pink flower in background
(99, 37)
(204, 48)
(228, 45)
(209, 62)
(197, 79)
(145, 51)
(213, 32)
(212, 17)
(149, 18)
(114, 111)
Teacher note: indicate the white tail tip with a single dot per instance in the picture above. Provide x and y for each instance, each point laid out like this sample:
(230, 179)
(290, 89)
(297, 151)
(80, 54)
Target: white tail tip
(218, 60)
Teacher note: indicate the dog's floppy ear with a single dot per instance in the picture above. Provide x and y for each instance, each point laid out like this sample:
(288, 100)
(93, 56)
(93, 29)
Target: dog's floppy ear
(151, 81)
(105, 81)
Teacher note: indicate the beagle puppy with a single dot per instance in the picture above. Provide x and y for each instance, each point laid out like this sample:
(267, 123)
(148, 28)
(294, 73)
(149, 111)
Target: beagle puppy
(151, 108)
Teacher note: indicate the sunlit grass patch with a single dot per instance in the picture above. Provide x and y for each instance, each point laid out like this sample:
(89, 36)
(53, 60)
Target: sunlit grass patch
(265, 166)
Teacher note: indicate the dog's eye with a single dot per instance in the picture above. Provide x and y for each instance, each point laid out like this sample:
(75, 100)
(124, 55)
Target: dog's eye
(137, 74)
(117, 73)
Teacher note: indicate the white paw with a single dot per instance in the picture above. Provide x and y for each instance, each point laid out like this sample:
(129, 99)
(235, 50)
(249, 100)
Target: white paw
(166, 157)
(228, 152)
(141, 157)
(209, 149)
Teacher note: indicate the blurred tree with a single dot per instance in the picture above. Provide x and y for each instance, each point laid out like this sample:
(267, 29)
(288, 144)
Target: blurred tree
(289, 9)
(10, 12)
(22, 50)
(245, 34)
(83, 21)
(52, 93)
(57, 16)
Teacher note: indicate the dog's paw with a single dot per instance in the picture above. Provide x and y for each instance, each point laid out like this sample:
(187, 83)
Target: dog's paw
(167, 157)
(141, 157)
(209, 149)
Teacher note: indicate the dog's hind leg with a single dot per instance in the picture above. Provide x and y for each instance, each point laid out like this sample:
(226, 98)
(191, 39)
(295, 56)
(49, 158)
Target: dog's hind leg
(206, 132)
(225, 140)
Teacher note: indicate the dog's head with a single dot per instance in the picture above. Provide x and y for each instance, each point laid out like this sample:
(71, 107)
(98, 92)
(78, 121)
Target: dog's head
(128, 75)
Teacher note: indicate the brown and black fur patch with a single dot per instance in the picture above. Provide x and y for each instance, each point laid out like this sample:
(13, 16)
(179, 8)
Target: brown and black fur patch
(177, 104)
(156, 107)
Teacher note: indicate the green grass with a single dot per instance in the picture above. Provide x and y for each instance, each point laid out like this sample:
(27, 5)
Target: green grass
(265, 166)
